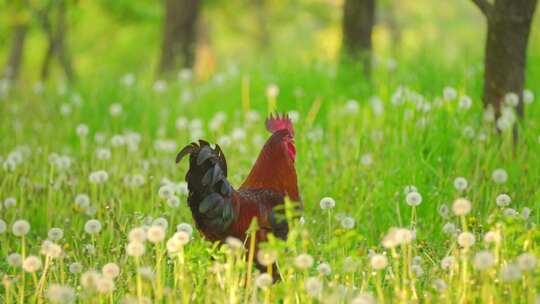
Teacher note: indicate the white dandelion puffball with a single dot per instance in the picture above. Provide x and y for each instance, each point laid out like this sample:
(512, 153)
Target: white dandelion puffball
(266, 257)
(313, 286)
(492, 237)
(60, 294)
(503, 200)
(378, 261)
(173, 201)
(449, 228)
(161, 222)
(51, 249)
(303, 261)
(511, 99)
(324, 269)
(9, 202)
(448, 262)
(465, 102)
(443, 211)
(272, 90)
(263, 280)
(55, 234)
(89, 279)
(461, 184)
(31, 264)
(98, 177)
(510, 273)
(105, 285)
(110, 270)
(174, 245)
(528, 96)
(165, 191)
(182, 237)
(527, 261)
(187, 228)
(366, 159)
(352, 106)
(466, 239)
(135, 249)
(155, 234)
(413, 199)
(461, 206)
(449, 93)
(20, 228)
(137, 235)
(75, 267)
(82, 130)
(347, 222)
(3, 226)
(327, 203)
(92, 227)
(82, 201)
(233, 243)
(484, 260)
(499, 176)
(14, 260)
(115, 109)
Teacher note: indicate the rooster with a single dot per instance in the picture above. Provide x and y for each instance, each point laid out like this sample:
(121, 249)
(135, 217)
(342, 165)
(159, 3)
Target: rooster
(219, 210)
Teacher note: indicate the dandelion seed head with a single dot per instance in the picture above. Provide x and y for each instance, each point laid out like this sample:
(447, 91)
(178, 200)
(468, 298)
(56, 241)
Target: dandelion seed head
(528, 96)
(461, 207)
(82, 130)
(364, 298)
(448, 262)
(347, 222)
(234, 244)
(324, 269)
(161, 222)
(187, 228)
(492, 237)
(313, 286)
(155, 234)
(55, 234)
(92, 226)
(461, 184)
(266, 257)
(510, 273)
(527, 261)
(14, 260)
(511, 99)
(303, 261)
(466, 239)
(263, 280)
(61, 294)
(173, 201)
(9, 202)
(366, 159)
(327, 203)
(465, 102)
(135, 249)
(137, 235)
(499, 176)
(31, 264)
(82, 201)
(484, 260)
(75, 267)
(110, 270)
(378, 261)
(503, 200)
(413, 199)
(20, 228)
(182, 236)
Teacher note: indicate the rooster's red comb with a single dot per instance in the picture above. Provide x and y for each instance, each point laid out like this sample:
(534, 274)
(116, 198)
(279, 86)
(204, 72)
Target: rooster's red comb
(279, 122)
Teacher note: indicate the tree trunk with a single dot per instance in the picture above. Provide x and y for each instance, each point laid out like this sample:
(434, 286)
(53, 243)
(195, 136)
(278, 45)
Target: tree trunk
(261, 17)
(57, 43)
(15, 58)
(357, 26)
(179, 34)
(509, 25)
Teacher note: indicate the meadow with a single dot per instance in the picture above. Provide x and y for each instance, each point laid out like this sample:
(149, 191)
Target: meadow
(411, 191)
(407, 197)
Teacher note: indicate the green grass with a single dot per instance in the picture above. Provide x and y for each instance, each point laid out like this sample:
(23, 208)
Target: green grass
(407, 145)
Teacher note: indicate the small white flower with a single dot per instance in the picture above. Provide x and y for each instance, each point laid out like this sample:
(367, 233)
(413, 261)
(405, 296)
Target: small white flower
(135, 249)
(347, 222)
(503, 200)
(82, 130)
(327, 203)
(75, 267)
(378, 261)
(187, 228)
(266, 257)
(528, 96)
(413, 199)
(461, 206)
(465, 102)
(92, 226)
(461, 184)
(499, 176)
(324, 269)
(55, 234)
(110, 270)
(14, 260)
(511, 99)
(484, 260)
(20, 228)
(137, 235)
(263, 280)
(31, 264)
(272, 91)
(155, 234)
(303, 261)
(448, 262)
(61, 294)
(466, 239)
(313, 286)
(527, 261)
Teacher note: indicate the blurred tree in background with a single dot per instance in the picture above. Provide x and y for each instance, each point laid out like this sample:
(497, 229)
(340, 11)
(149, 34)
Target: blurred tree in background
(358, 22)
(17, 13)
